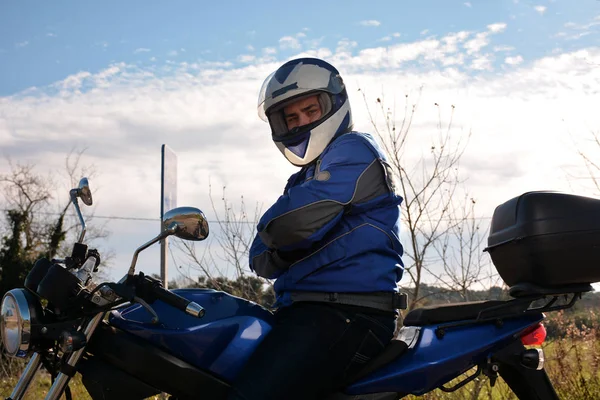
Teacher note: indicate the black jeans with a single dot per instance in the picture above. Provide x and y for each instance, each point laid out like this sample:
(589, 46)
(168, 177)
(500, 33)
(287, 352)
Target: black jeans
(311, 351)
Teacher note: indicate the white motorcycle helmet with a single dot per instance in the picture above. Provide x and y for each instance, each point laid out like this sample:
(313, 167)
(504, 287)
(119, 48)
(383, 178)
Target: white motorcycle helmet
(295, 80)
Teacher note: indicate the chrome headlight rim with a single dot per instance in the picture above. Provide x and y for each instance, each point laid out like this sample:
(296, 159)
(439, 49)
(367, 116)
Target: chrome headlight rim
(20, 347)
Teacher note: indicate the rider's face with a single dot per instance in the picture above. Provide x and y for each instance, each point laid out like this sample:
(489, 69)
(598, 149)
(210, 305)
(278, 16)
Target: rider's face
(302, 112)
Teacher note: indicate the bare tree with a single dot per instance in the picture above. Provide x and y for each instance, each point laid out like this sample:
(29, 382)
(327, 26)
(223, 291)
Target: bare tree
(223, 263)
(460, 251)
(428, 186)
(42, 203)
(74, 170)
(27, 196)
(590, 161)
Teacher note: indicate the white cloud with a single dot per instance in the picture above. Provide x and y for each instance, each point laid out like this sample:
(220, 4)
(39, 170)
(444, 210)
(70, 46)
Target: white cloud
(21, 44)
(482, 63)
(452, 40)
(540, 9)
(246, 58)
(576, 31)
(269, 50)
(300, 35)
(370, 22)
(582, 27)
(289, 42)
(497, 27)
(482, 39)
(477, 43)
(313, 43)
(426, 51)
(172, 53)
(462, 35)
(503, 48)
(141, 50)
(468, 4)
(250, 47)
(578, 35)
(50, 34)
(345, 46)
(74, 82)
(453, 60)
(396, 34)
(513, 60)
(424, 31)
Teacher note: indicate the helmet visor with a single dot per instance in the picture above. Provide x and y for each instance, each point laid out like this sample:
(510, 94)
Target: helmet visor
(274, 93)
(278, 118)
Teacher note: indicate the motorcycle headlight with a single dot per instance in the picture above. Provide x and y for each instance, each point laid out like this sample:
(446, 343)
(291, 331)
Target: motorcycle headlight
(15, 323)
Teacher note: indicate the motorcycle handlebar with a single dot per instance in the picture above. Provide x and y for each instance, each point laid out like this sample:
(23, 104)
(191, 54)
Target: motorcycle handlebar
(150, 289)
(181, 303)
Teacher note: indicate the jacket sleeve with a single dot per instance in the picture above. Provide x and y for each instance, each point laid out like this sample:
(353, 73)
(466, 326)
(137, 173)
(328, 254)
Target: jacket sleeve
(348, 173)
(266, 262)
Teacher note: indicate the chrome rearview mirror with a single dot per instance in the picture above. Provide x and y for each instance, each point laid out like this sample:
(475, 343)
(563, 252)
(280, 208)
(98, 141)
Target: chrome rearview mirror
(84, 192)
(188, 223)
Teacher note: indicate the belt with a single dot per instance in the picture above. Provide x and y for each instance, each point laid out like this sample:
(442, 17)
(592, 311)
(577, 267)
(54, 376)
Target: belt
(386, 301)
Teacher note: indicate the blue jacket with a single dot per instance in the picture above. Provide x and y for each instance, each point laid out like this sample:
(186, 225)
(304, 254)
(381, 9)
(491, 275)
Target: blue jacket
(336, 227)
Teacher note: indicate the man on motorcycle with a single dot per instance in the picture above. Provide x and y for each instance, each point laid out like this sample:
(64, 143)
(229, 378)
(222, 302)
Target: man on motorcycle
(331, 241)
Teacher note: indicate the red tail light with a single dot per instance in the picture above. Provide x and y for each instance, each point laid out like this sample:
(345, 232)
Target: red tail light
(534, 337)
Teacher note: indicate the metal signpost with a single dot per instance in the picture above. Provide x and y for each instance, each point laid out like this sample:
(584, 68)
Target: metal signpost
(168, 201)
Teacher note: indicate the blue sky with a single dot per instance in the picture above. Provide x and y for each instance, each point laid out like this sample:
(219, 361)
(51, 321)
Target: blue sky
(43, 42)
(120, 79)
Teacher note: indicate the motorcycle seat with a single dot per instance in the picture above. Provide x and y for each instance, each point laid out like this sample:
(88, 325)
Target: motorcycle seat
(439, 314)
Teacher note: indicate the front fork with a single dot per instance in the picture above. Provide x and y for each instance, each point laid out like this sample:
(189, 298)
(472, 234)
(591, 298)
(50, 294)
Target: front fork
(60, 383)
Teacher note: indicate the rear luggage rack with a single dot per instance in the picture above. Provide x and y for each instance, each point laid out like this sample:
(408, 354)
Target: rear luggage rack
(525, 294)
(529, 289)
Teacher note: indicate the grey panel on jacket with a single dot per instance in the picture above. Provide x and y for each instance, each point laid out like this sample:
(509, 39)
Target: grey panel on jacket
(268, 263)
(301, 223)
(371, 183)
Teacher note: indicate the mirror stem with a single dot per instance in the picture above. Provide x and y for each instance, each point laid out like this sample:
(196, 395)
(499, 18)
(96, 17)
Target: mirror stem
(81, 220)
(167, 232)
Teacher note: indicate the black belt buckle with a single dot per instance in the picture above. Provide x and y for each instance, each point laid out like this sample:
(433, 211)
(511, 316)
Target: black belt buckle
(400, 301)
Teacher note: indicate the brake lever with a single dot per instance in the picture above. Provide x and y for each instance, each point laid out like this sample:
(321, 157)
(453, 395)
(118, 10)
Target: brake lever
(142, 302)
(128, 292)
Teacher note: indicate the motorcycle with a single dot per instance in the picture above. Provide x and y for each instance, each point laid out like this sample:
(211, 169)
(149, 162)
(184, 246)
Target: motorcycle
(127, 341)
